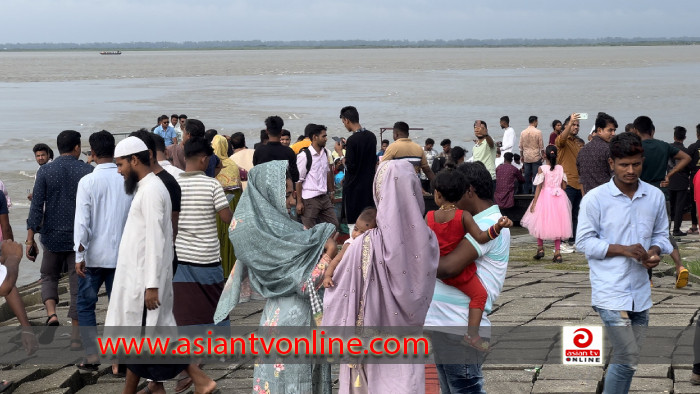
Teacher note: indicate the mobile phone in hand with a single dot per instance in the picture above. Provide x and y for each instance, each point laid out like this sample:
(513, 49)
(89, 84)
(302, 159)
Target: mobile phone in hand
(32, 251)
(583, 115)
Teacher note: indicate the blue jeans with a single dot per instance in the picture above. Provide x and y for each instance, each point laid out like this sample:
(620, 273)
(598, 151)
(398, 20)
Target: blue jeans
(575, 197)
(626, 334)
(465, 377)
(88, 287)
(529, 172)
(460, 378)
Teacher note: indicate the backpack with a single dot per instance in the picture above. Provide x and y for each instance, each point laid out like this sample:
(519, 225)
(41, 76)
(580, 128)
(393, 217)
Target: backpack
(308, 157)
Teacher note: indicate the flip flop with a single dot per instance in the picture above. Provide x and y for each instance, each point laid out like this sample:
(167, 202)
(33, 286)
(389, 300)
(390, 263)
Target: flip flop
(682, 279)
(46, 337)
(5, 384)
(86, 367)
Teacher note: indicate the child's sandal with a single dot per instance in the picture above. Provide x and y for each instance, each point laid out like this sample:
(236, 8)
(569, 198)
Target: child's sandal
(539, 255)
(477, 343)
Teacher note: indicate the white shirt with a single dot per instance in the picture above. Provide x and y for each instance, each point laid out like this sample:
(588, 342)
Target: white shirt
(178, 130)
(170, 168)
(145, 259)
(517, 165)
(508, 140)
(101, 208)
(314, 182)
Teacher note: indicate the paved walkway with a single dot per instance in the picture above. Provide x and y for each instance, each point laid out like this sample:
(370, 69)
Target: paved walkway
(532, 296)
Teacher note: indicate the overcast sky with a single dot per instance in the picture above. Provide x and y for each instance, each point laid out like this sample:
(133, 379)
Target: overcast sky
(199, 20)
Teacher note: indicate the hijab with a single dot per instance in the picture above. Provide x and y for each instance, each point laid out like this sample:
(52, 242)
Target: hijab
(278, 253)
(229, 177)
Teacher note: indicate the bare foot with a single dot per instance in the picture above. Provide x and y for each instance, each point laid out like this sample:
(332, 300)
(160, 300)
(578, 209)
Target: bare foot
(206, 389)
(153, 388)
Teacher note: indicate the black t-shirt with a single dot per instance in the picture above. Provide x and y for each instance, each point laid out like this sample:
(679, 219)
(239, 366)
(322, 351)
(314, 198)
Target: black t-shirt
(680, 180)
(173, 189)
(276, 151)
(694, 152)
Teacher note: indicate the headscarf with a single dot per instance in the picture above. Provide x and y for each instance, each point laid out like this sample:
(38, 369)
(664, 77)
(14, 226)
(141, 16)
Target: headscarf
(276, 251)
(386, 279)
(398, 260)
(229, 177)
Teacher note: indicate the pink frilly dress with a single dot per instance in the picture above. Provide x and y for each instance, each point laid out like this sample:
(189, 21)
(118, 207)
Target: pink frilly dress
(552, 216)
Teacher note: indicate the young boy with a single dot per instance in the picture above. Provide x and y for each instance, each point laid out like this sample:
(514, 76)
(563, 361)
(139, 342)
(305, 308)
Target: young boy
(622, 229)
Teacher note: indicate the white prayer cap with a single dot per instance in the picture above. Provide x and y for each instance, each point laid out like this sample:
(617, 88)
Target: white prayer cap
(129, 146)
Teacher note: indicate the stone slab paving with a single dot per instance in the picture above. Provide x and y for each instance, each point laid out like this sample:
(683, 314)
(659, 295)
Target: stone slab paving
(533, 297)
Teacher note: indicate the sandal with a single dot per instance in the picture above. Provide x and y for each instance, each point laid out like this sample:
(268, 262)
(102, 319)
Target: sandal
(682, 279)
(76, 342)
(87, 367)
(539, 255)
(557, 258)
(46, 337)
(692, 230)
(477, 343)
(5, 384)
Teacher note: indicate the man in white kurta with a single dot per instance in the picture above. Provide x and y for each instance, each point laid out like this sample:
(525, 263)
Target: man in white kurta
(145, 259)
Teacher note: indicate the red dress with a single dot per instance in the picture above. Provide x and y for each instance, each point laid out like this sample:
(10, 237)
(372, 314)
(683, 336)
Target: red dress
(449, 235)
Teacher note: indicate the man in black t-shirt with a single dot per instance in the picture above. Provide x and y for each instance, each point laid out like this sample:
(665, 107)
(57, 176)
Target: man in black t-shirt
(360, 166)
(274, 150)
(694, 152)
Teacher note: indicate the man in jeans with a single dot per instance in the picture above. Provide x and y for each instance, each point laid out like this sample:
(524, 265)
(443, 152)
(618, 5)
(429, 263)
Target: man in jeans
(316, 183)
(532, 151)
(448, 313)
(623, 228)
(101, 208)
(52, 214)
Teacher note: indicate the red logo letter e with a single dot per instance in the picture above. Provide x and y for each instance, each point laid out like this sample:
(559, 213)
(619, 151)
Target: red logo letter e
(583, 339)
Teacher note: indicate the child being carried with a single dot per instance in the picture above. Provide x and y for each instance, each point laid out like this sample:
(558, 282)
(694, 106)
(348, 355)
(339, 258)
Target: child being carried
(450, 226)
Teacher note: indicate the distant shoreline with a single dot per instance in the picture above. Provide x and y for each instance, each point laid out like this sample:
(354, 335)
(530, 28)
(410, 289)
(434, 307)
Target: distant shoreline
(343, 44)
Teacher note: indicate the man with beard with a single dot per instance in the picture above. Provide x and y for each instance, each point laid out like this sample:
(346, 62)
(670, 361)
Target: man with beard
(142, 294)
(568, 152)
(168, 179)
(316, 182)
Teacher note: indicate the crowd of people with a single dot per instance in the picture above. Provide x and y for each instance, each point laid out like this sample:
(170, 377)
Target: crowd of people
(181, 224)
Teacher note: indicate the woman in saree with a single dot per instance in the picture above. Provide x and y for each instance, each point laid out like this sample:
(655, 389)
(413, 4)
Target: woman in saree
(285, 263)
(230, 180)
(386, 278)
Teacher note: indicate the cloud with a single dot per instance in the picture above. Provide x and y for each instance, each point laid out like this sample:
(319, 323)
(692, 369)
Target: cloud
(178, 20)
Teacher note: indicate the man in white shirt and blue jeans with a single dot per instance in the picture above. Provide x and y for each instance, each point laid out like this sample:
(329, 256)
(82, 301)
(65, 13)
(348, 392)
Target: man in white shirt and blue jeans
(102, 206)
(623, 229)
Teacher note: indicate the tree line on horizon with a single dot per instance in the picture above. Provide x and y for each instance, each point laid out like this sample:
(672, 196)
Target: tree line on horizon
(259, 44)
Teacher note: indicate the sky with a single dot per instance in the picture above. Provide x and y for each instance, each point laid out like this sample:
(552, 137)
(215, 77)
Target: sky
(80, 21)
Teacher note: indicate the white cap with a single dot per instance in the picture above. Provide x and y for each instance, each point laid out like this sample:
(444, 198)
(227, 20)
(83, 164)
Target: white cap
(129, 146)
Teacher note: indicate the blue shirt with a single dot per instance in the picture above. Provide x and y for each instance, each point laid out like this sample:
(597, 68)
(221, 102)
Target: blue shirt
(608, 216)
(167, 134)
(101, 208)
(54, 201)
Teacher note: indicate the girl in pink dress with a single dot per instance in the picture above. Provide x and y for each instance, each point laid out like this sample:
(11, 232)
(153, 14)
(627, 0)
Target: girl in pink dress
(549, 214)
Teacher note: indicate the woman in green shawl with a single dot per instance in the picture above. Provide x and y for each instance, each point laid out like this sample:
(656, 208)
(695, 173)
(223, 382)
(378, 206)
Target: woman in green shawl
(230, 180)
(285, 263)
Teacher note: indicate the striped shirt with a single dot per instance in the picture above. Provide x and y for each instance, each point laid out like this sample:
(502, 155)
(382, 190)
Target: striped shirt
(202, 197)
(450, 306)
